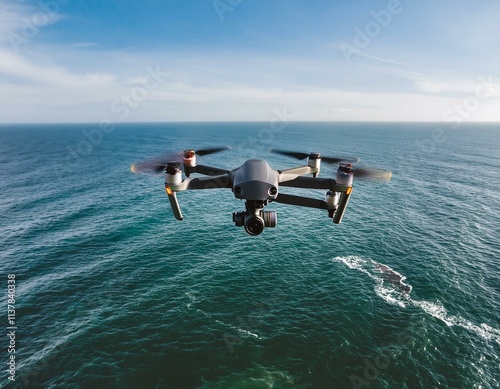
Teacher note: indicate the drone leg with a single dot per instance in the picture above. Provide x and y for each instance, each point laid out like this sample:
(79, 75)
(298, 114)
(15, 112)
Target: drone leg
(174, 203)
(344, 200)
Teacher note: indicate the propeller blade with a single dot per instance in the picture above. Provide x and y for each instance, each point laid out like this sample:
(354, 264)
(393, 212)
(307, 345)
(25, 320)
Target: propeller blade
(157, 165)
(212, 150)
(292, 154)
(340, 159)
(298, 155)
(372, 174)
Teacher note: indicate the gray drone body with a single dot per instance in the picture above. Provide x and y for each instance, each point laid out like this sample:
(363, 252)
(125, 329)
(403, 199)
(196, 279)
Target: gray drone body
(258, 184)
(255, 180)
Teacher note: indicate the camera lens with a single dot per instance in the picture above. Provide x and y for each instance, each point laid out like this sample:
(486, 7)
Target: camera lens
(254, 225)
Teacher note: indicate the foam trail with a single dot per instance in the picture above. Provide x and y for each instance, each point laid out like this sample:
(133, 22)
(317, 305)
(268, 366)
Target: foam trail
(389, 284)
(240, 330)
(439, 312)
(192, 299)
(396, 292)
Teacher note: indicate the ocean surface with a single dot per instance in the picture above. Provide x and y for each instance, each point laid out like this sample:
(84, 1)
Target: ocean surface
(113, 292)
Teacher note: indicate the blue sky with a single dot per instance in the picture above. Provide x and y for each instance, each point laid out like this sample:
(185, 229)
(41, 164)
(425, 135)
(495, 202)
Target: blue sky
(409, 60)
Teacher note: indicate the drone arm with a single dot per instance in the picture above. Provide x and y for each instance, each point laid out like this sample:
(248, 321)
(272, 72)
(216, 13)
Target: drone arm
(335, 211)
(301, 201)
(206, 170)
(315, 183)
(212, 182)
(293, 173)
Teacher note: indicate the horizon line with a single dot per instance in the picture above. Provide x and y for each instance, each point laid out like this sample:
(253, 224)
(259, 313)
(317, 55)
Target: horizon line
(261, 121)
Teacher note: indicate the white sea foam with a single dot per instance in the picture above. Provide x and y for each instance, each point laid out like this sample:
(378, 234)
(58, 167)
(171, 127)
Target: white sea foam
(392, 294)
(238, 329)
(439, 312)
(256, 377)
(352, 261)
(192, 299)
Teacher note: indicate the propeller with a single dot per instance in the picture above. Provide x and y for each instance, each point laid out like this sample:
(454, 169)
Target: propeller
(345, 165)
(158, 164)
(367, 173)
(212, 150)
(298, 155)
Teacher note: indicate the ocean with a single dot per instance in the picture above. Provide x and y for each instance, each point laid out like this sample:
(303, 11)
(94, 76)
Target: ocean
(110, 291)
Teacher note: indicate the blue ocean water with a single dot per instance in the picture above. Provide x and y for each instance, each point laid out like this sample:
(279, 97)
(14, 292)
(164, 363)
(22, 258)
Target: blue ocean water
(113, 292)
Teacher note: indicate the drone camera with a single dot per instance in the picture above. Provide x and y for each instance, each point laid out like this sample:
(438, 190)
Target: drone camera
(255, 223)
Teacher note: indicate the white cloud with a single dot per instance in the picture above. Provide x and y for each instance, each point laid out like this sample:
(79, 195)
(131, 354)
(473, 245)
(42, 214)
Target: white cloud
(9, 19)
(20, 23)
(195, 94)
(84, 44)
(139, 80)
(447, 86)
(217, 86)
(16, 66)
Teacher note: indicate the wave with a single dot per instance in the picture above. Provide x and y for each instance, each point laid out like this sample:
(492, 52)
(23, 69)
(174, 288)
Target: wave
(241, 331)
(392, 288)
(38, 283)
(256, 376)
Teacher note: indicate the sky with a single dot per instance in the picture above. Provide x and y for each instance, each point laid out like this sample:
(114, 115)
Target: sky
(241, 60)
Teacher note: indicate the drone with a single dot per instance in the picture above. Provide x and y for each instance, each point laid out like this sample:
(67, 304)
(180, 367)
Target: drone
(258, 184)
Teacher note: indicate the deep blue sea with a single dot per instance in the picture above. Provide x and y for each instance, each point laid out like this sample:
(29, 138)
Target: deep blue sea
(113, 292)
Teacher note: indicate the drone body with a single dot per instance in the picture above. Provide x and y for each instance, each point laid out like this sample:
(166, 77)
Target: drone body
(258, 184)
